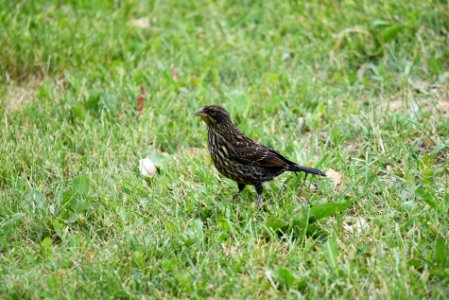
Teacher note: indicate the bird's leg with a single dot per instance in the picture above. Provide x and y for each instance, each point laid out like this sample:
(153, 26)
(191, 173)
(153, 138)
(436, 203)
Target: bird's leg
(259, 190)
(241, 187)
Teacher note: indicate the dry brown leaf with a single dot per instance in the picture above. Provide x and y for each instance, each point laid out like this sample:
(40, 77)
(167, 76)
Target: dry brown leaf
(335, 176)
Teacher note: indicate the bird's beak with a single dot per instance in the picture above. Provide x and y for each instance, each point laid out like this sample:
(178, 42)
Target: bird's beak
(201, 113)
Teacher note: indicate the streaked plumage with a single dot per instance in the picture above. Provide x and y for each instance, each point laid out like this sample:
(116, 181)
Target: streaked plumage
(239, 158)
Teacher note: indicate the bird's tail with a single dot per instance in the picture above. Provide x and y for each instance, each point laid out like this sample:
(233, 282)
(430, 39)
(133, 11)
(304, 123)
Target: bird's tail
(296, 168)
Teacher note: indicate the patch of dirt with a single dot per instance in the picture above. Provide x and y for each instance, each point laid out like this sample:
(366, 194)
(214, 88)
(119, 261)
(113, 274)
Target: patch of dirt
(17, 96)
(422, 96)
(443, 105)
(335, 177)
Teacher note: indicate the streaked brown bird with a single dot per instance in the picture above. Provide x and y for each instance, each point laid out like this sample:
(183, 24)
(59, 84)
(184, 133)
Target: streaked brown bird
(239, 158)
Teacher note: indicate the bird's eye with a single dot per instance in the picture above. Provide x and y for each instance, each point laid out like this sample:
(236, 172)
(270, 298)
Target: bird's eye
(212, 112)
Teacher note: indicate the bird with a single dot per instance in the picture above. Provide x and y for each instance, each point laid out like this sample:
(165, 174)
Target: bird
(241, 159)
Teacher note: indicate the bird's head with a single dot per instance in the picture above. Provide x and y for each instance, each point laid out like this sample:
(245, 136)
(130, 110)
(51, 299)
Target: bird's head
(214, 114)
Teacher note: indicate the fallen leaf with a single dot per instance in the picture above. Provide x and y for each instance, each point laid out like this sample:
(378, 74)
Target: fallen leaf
(335, 176)
(140, 99)
(140, 103)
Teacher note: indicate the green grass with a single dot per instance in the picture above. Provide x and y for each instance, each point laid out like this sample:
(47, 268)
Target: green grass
(346, 85)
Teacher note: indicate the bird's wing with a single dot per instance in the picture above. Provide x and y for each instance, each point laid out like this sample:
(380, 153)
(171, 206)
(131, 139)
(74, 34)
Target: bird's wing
(248, 152)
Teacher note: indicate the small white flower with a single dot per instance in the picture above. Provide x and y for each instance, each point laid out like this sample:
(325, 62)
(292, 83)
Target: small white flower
(147, 168)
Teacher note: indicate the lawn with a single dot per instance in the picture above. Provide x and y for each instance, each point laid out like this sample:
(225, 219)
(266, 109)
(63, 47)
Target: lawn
(356, 87)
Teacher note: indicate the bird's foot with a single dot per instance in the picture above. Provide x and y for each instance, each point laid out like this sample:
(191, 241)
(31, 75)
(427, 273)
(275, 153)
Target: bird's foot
(241, 187)
(259, 198)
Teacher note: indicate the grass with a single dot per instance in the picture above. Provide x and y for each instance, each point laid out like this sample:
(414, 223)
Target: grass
(353, 86)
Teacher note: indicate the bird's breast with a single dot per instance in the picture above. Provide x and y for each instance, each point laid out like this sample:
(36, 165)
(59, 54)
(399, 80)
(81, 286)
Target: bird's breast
(219, 148)
(220, 151)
